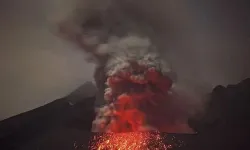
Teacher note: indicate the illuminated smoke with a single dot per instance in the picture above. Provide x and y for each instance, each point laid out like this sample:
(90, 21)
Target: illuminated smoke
(131, 75)
(137, 83)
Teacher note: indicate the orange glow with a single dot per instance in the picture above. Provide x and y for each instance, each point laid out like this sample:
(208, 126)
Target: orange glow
(129, 141)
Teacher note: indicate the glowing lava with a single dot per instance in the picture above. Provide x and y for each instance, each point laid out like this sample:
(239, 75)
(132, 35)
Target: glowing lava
(128, 141)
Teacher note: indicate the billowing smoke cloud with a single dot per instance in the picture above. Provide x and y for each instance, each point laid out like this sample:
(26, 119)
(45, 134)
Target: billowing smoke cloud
(136, 83)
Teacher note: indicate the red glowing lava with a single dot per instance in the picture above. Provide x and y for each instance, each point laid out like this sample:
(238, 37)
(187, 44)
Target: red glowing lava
(128, 141)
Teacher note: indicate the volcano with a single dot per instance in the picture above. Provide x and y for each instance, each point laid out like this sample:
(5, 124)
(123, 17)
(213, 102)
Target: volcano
(59, 125)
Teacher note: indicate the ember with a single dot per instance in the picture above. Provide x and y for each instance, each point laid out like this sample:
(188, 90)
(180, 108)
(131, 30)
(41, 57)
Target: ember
(128, 141)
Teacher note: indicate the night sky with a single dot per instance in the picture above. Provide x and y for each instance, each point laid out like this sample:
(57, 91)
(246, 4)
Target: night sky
(207, 44)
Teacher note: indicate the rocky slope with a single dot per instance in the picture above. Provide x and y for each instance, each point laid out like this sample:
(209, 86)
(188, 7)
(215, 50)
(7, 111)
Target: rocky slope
(65, 123)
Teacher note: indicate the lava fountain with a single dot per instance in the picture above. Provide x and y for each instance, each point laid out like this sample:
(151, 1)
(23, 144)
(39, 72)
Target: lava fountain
(129, 141)
(137, 89)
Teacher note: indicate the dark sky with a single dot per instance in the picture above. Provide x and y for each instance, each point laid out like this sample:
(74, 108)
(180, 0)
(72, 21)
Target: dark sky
(36, 67)
(212, 47)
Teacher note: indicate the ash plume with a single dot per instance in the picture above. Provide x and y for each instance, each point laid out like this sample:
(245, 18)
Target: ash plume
(135, 83)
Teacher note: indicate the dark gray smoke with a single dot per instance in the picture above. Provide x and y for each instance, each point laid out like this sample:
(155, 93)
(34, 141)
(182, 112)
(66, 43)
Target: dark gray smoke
(109, 33)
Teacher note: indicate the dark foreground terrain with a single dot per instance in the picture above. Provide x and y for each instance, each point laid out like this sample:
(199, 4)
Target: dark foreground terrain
(65, 124)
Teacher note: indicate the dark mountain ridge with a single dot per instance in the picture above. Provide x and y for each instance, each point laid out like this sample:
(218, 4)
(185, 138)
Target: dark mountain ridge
(66, 123)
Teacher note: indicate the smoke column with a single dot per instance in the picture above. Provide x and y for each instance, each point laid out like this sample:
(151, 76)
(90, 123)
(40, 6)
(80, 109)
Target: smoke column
(132, 78)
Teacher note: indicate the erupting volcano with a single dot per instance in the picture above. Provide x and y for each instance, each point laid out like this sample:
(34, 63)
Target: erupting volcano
(132, 77)
(138, 90)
